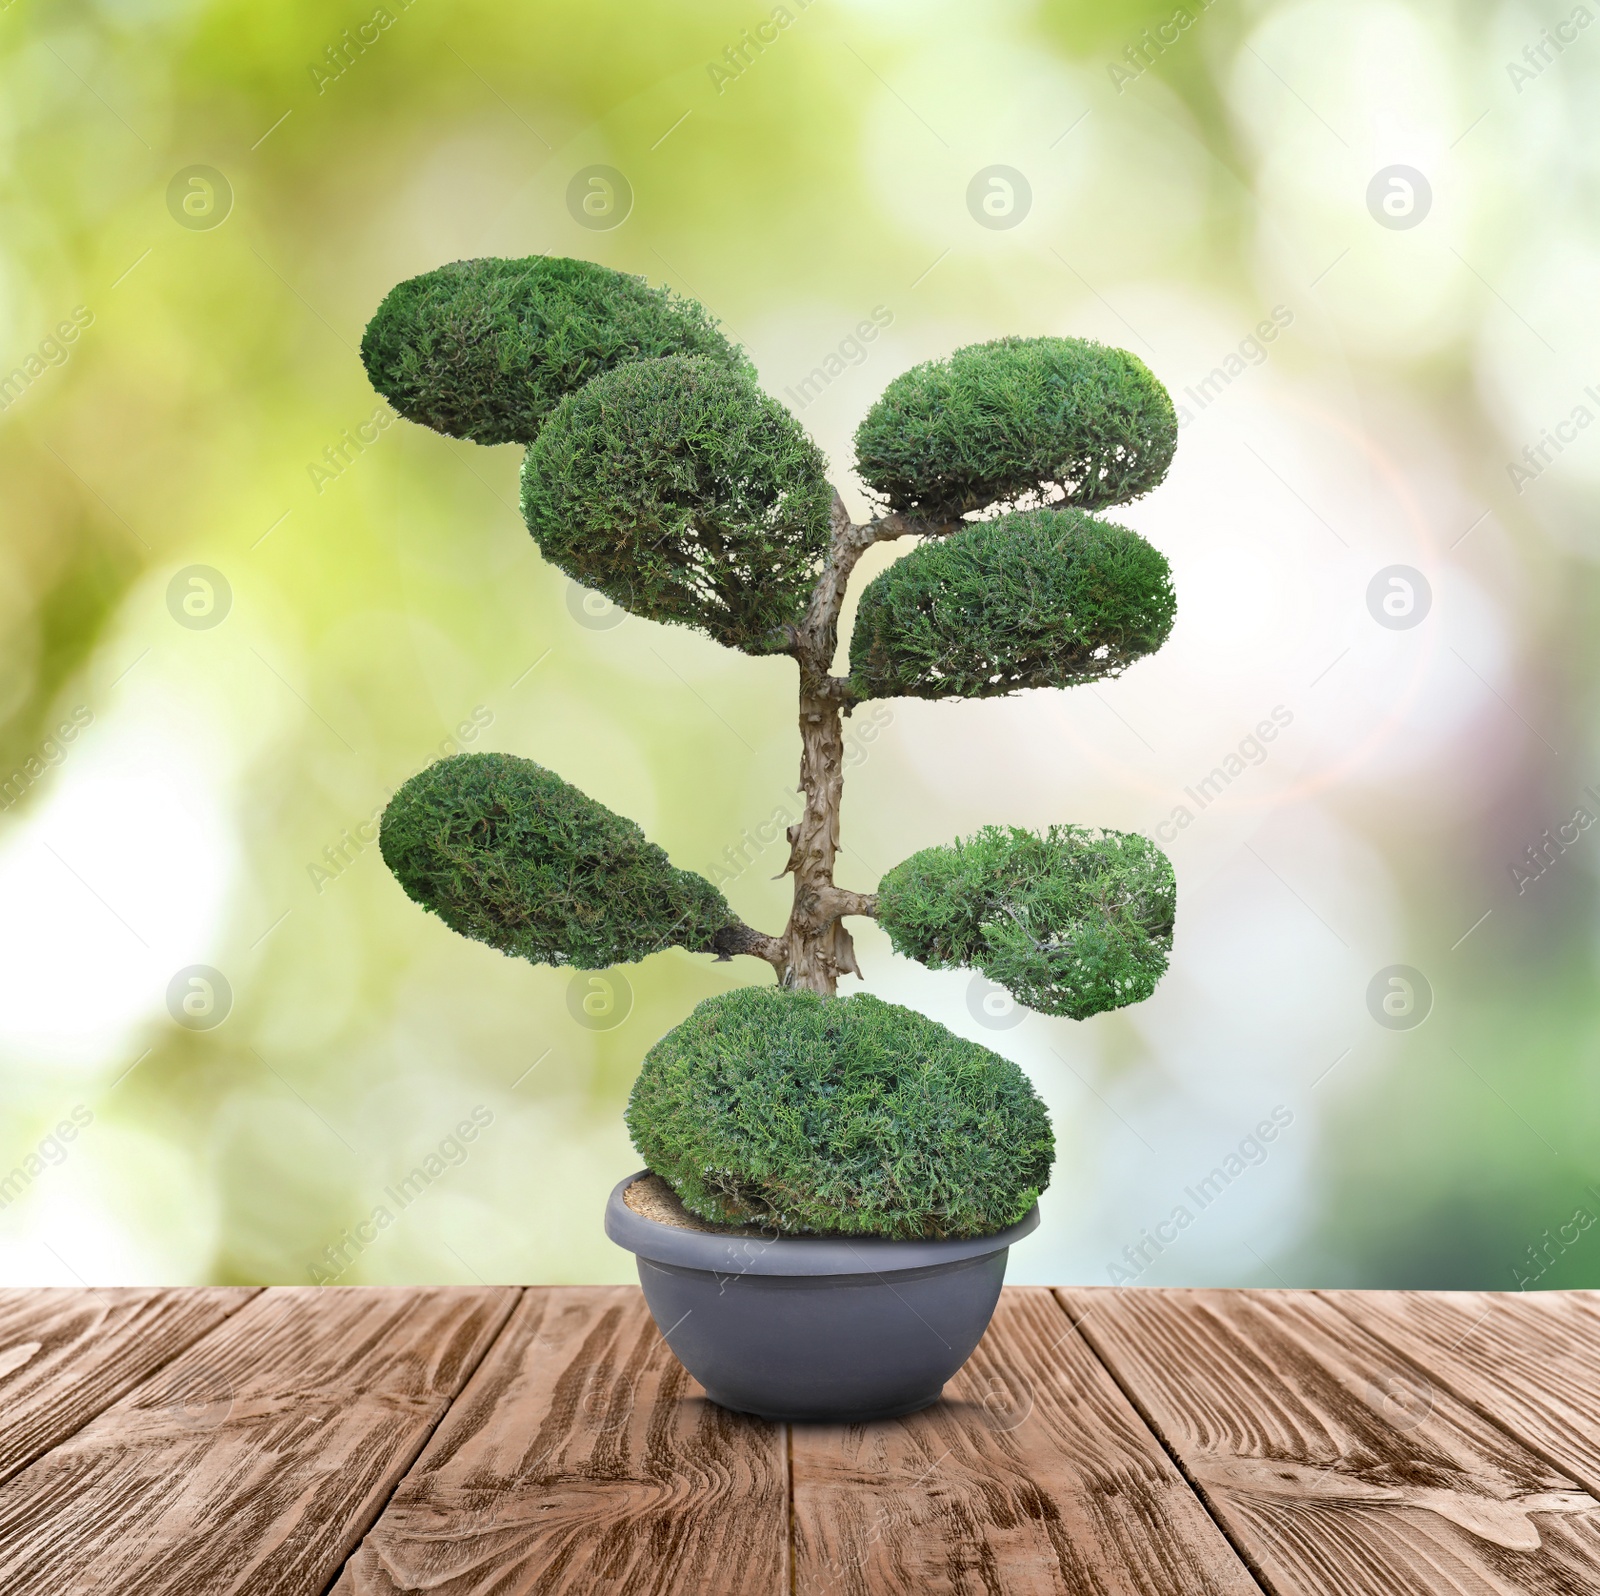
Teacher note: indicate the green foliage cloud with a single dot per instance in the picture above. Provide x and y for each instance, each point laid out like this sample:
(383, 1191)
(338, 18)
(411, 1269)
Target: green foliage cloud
(838, 1115)
(506, 852)
(1073, 922)
(1017, 421)
(486, 349)
(683, 493)
(1037, 598)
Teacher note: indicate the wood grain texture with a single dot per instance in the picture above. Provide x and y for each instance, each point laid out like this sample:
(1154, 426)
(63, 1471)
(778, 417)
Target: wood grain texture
(1530, 1361)
(1032, 1475)
(254, 1461)
(582, 1458)
(66, 1355)
(1333, 1465)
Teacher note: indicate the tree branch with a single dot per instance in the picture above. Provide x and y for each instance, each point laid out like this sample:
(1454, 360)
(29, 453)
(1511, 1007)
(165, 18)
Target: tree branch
(897, 524)
(816, 639)
(740, 938)
(839, 901)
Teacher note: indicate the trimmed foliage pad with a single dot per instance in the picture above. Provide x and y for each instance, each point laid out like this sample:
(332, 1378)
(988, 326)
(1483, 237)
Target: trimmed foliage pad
(1018, 420)
(506, 852)
(1038, 598)
(486, 349)
(1073, 922)
(838, 1115)
(683, 493)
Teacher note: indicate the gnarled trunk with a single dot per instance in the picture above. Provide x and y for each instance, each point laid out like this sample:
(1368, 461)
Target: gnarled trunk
(818, 949)
(815, 949)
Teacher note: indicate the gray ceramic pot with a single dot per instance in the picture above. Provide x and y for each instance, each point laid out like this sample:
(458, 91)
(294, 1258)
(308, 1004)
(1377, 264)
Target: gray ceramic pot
(801, 1327)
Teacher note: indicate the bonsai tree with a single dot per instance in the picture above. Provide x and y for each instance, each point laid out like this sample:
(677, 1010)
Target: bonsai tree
(658, 473)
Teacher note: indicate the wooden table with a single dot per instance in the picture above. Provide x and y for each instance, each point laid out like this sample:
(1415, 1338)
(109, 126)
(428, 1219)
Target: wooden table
(498, 1441)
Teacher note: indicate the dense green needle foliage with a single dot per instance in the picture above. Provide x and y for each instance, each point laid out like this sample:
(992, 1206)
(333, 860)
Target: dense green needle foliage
(1017, 421)
(838, 1115)
(508, 853)
(1037, 598)
(683, 493)
(486, 349)
(1073, 922)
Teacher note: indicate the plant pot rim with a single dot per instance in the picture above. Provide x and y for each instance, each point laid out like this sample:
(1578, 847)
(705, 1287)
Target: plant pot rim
(793, 1255)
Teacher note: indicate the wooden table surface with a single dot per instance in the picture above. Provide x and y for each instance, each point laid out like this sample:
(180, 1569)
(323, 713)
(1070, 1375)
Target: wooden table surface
(498, 1441)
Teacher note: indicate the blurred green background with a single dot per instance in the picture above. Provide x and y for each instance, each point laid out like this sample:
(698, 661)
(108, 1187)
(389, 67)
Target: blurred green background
(256, 610)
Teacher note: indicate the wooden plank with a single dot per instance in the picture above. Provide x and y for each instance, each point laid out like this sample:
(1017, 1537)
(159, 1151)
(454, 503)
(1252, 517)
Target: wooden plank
(66, 1355)
(582, 1458)
(1530, 1361)
(255, 1460)
(1331, 1467)
(1033, 1474)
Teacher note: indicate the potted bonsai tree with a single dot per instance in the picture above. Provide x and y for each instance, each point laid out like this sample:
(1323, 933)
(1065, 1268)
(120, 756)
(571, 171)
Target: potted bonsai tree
(832, 1182)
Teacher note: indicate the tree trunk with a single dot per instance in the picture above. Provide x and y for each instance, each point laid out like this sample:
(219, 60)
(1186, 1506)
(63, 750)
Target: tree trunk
(818, 948)
(815, 949)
